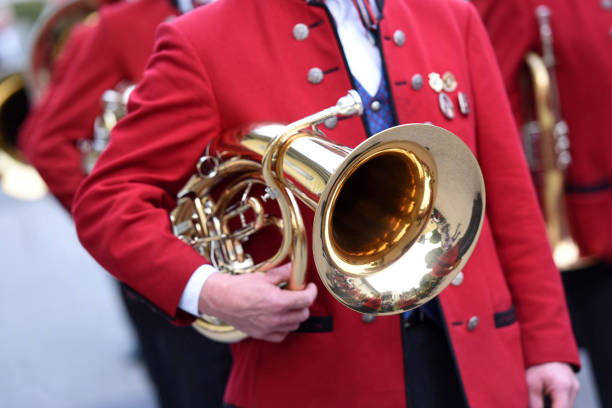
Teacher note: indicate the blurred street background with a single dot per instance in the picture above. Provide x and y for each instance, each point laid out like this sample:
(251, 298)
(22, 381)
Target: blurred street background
(64, 340)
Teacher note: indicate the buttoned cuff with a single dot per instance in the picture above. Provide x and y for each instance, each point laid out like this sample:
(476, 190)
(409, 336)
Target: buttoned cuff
(191, 294)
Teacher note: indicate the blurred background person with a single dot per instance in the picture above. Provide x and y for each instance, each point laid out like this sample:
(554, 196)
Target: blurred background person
(64, 337)
(556, 60)
(172, 355)
(187, 369)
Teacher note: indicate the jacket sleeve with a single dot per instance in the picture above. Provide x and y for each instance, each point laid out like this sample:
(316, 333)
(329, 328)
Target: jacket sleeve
(121, 211)
(513, 211)
(68, 113)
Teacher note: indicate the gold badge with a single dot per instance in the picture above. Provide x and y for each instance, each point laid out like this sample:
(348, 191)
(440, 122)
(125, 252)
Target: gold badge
(435, 82)
(449, 82)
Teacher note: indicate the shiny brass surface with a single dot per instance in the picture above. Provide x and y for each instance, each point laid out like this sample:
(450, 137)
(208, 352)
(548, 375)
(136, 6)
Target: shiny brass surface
(395, 218)
(14, 107)
(114, 107)
(431, 219)
(546, 143)
(17, 178)
(48, 37)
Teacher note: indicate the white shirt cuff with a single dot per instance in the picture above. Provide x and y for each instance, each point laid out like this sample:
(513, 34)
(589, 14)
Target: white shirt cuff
(191, 295)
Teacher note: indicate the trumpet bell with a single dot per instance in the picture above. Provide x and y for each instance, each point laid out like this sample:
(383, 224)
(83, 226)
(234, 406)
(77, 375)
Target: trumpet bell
(398, 219)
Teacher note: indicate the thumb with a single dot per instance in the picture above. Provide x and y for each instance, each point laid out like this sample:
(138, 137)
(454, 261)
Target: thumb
(278, 274)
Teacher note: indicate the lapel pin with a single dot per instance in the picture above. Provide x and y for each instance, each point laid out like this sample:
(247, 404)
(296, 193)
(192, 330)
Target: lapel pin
(446, 106)
(464, 104)
(449, 82)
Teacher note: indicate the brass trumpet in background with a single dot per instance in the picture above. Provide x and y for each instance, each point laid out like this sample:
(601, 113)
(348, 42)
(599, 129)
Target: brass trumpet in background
(547, 145)
(20, 90)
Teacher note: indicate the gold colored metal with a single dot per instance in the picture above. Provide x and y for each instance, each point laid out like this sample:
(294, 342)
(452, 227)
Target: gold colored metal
(14, 107)
(49, 36)
(18, 91)
(18, 179)
(547, 147)
(395, 218)
(114, 107)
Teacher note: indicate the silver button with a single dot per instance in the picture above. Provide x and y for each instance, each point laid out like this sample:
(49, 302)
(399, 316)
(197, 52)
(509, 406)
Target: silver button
(331, 123)
(458, 279)
(368, 318)
(417, 82)
(399, 38)
(472, 323)
(315, 75)
(300, 31)
(375, 105)
(606, 4)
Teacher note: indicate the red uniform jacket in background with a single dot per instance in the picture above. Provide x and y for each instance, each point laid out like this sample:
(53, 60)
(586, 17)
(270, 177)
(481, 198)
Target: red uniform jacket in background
(120, 43)
(67, 55)
(237, 62)
(583, 52)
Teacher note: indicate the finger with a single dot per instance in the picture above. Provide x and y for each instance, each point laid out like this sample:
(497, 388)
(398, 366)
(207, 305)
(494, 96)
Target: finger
(290, 320)
(536, 397)
(561, 398)
(299, 299)
(275, 337)
(279, 274)
(575, 390)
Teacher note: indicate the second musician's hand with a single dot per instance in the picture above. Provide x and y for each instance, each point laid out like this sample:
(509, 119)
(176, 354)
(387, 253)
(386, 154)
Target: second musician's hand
(254, 304)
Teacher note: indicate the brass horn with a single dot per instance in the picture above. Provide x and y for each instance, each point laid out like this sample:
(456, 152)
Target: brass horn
(395, 220)
(14, 107)
(114, 107)
(17, 179)
(49, 35)
(19, 91)
(546, 143)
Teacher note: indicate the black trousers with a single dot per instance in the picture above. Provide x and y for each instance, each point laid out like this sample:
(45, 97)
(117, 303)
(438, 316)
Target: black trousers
(431, 375)
(187, 369)
(589, 299)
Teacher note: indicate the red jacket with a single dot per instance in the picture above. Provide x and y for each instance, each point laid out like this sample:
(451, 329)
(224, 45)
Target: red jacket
(210, 74)
(110, 53)
(583, 46)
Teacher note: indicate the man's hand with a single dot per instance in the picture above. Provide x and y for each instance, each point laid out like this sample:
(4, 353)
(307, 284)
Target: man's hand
(254, 304)
(556, 380)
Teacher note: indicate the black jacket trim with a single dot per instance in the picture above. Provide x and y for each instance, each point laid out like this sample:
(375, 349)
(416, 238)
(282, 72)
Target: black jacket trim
(317, 324)
(505, 318)
(593, 188)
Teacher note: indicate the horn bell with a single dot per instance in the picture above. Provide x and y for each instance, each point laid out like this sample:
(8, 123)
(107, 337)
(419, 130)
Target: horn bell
(398, 219)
